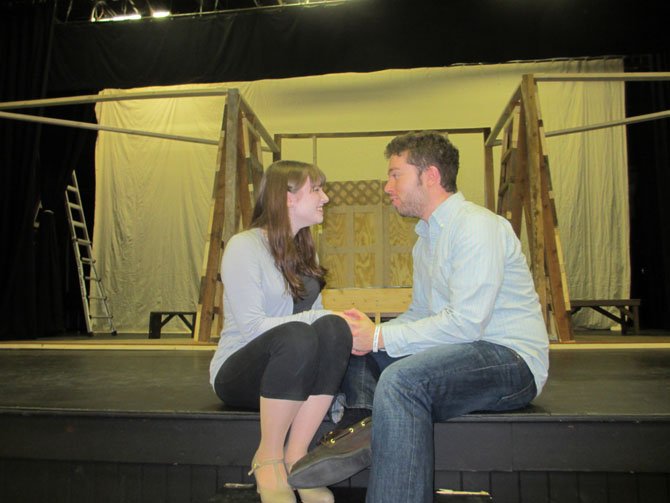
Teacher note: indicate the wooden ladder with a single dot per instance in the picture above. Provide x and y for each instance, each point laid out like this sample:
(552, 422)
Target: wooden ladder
(525, 189)
(236, 181)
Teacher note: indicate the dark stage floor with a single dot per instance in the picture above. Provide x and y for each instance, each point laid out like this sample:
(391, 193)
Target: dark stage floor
(585, 382)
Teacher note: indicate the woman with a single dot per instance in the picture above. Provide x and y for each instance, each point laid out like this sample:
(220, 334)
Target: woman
(280, 351)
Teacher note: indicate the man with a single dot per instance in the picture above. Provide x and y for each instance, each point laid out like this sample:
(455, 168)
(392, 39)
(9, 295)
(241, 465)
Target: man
(473, 337)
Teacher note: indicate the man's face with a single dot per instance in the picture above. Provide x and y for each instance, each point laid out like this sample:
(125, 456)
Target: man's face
(405, 187)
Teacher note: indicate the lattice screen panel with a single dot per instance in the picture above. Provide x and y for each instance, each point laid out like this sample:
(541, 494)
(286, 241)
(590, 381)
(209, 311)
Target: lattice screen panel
(364, 243)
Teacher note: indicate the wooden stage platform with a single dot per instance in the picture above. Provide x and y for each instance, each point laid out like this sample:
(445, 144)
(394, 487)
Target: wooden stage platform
(117, 425)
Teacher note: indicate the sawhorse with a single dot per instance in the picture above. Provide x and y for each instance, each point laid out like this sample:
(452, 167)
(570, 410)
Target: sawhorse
(158, 319)
(628, 310)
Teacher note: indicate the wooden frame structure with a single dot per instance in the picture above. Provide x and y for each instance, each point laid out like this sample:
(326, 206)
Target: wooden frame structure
(525, 184)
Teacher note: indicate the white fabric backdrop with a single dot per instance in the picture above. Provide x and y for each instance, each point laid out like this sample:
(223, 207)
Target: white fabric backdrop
(152, 195)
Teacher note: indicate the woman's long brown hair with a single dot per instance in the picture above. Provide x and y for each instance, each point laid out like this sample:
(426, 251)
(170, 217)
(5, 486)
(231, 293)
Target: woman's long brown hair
(294, 256)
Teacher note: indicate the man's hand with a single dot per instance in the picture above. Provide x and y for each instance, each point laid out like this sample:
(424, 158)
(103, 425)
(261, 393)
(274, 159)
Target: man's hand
(362, 330)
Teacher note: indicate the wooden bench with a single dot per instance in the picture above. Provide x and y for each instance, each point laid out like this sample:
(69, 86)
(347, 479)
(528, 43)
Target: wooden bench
(158, 319)
(628, 310)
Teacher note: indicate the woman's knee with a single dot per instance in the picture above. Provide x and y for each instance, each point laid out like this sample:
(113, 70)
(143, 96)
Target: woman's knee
(333, 333)
(296, 337)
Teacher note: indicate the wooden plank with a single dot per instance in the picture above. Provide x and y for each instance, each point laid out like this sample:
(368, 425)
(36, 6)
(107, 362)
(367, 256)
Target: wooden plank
(603, 77)
(520, 200)
(604, 302)
(531, 133)
(489, 182)
(534, 487)
(504, 117)
(653, 486)
(554, 262)
(563, 487)
(512, 191)
(556, 300)
(617, 122)
(622, 487)
(231, 166)
(97, 98)
(277, 155)
(365, 134)
(143, 345)
(255, 163)
(603, 125)
(154, 483)
(222, 216)
(101, 127)
(384, 302)
(258, 126)
(245, 204)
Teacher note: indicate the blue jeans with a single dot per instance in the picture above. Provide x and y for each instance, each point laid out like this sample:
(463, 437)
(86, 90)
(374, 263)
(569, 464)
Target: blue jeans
(415, 391)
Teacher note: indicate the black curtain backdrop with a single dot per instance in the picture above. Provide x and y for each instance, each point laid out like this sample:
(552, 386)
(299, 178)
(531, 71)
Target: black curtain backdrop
(356, 36)
(61, 151)
(40, 294)
(649, 174)
(24, 41)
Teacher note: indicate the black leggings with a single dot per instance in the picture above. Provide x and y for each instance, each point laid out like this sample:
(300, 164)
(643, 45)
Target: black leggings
(289, 362)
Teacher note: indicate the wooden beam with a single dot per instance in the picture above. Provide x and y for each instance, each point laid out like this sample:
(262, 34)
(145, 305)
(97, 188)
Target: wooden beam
(489, 182)
(602, 77)
(276, 156)
(258, 126)
(617, 122)
(365, 134)
(531, 131)
(223, 222)
(244, 198)
(101, 127)
(231, 165)
(603, 125)
(98, 98)
(556, 298)
(213, 245)
(504, 118)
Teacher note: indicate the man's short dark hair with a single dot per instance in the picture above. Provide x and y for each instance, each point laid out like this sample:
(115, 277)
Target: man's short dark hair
(428, 148)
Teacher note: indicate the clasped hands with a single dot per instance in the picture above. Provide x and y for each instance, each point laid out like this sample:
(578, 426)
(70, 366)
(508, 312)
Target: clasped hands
(362, 331)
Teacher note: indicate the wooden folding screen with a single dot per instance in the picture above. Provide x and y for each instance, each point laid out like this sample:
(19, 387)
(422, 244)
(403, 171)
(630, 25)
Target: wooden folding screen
(364, 242)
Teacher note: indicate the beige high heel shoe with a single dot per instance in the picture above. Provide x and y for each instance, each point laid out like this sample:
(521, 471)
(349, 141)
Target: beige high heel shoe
(316, 495)
(278, 495)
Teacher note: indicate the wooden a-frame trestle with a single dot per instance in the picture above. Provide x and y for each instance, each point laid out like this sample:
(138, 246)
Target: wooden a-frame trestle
(238, 175)
(525, 189)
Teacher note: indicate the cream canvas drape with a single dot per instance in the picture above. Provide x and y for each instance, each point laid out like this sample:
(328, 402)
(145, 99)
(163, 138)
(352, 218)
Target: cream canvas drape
(153, 195)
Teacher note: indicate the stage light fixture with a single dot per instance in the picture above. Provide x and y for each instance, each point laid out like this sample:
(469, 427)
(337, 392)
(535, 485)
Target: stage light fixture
(125, 10)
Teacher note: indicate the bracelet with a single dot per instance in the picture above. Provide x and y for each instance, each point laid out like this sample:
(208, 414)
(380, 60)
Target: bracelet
(375, 338)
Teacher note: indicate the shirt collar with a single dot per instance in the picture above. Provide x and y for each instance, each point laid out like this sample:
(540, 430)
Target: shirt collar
(440, 215)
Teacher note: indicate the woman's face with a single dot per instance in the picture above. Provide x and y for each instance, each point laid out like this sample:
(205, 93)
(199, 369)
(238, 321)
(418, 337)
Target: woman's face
(305, 206)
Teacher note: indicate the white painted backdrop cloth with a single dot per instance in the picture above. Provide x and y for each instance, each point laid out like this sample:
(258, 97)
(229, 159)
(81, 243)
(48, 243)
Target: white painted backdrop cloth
(153, 195)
